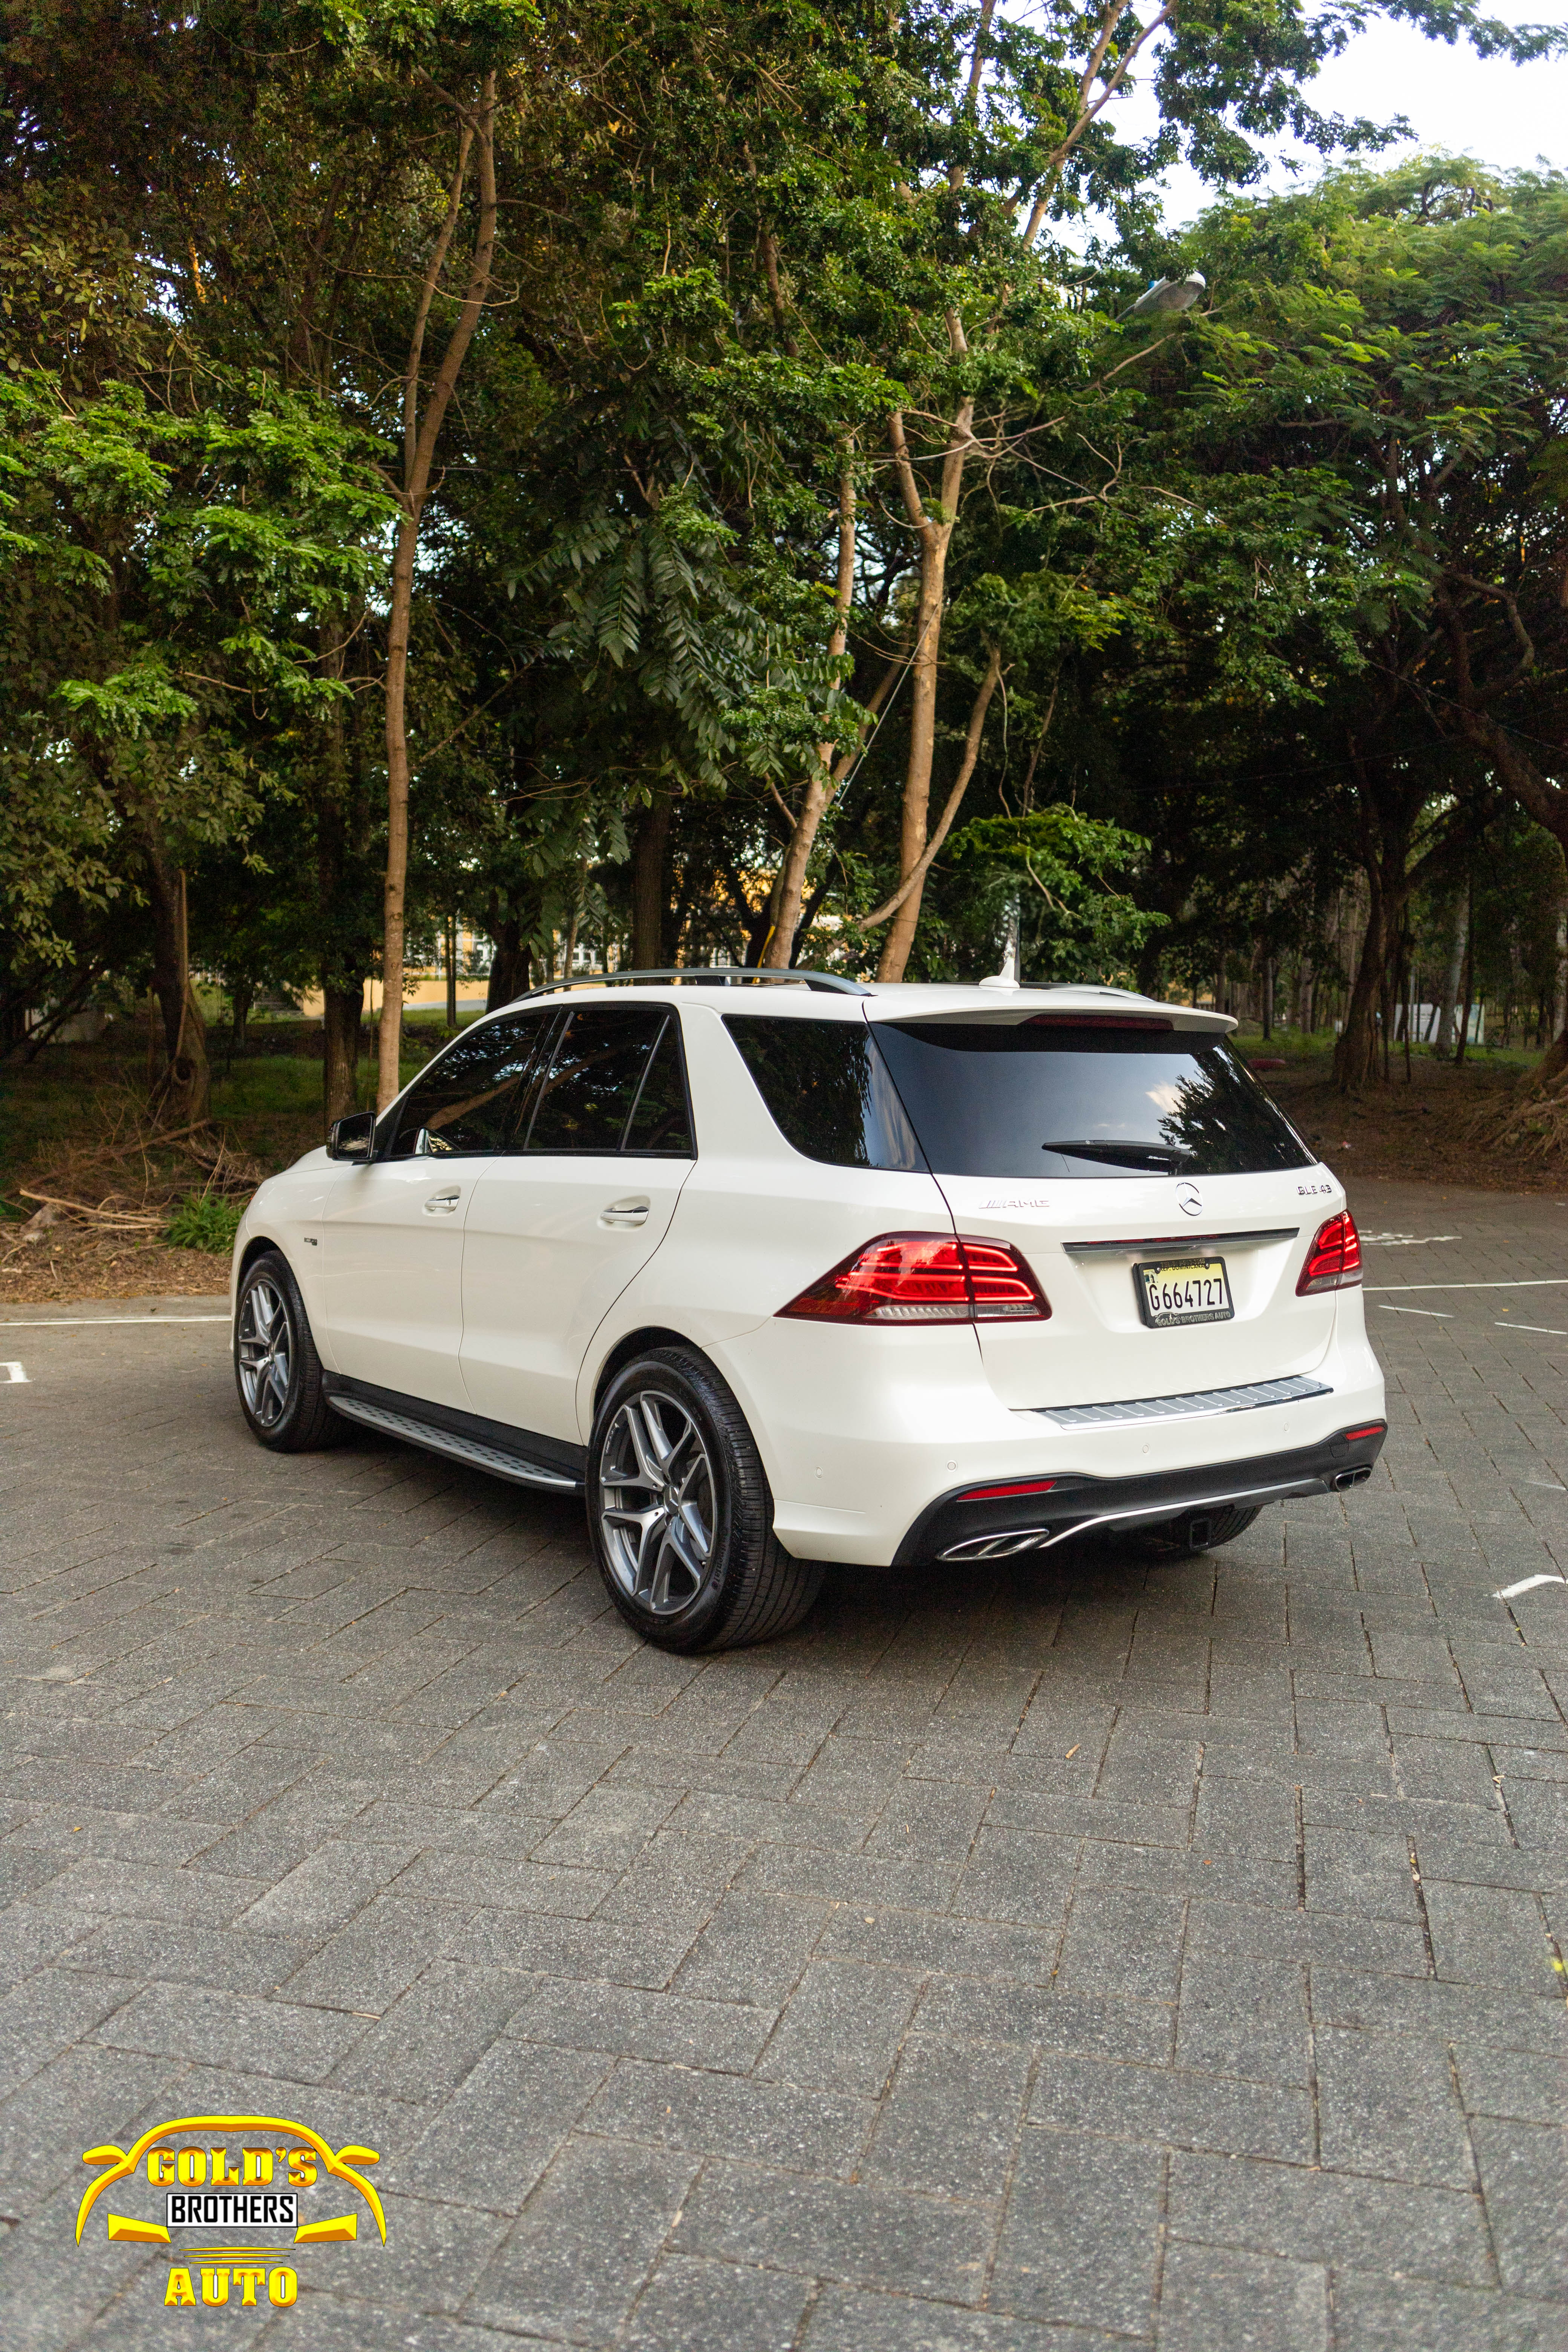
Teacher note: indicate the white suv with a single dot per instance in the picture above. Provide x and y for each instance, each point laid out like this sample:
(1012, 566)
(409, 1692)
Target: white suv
(780, 1269)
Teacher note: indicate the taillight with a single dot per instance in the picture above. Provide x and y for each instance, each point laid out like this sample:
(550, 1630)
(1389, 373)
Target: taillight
(925, 1278)
(1333, 1262)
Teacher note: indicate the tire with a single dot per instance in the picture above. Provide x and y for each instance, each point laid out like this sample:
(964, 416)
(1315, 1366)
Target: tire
(696, 1566)
(1196, 1531)
(276, 1368)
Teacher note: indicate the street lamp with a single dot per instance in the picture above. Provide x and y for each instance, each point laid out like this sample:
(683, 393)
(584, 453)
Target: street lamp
(1168, 294)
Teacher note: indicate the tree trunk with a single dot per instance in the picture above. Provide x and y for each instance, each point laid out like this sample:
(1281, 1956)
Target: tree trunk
(1356, 1052)
(240, 1001)
(420, 436)
(450, 944)
(649, 856)
(509, 964)
(780, 950)
(342, 1010)
(183, 1094)
(1453, 977)
(935, 540)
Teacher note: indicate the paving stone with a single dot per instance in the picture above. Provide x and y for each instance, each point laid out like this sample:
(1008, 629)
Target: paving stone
(1081, 2232)
(842, 2027)
(1123, 1944)
(692, 2305)
(602, 1947)
(1321, 2217)
(1214, 2299)
(726, 2036)
(578, 2257)
(848, 2319)
(1173, 2107)
(855, 2233)
(722, 2114)
(487, 2146)
(1387, 2105)
(952, 2120)
(1525, 2179)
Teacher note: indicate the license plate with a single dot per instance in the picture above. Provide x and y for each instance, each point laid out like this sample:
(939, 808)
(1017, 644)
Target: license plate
(1183, 1290)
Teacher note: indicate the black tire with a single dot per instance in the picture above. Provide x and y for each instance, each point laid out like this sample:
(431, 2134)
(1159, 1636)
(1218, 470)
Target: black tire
(276, 1368)
(1196, 1531)
(698, 1566)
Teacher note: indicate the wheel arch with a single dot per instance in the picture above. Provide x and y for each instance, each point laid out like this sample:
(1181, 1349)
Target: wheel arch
(637, 1343)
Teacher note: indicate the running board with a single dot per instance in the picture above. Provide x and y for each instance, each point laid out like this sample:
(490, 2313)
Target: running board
(471, 1450)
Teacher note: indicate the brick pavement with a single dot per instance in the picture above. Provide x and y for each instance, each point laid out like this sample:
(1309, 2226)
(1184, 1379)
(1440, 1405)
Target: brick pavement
(1078, 1954)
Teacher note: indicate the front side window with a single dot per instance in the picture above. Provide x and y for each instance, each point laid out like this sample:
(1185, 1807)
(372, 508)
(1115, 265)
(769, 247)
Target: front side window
(592, 1100)
(1063, 1099)
(466, 1103)
(828, 1090)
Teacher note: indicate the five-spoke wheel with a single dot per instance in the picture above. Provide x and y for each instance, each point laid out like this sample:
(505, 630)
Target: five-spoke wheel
(680, 1513)
(263, 1351)
(276, 1368)
(655, 1502)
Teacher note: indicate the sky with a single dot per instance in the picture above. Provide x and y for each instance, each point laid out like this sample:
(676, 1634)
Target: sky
(1502, 114)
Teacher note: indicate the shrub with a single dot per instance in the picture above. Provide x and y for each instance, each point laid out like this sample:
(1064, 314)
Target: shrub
(204, 1224)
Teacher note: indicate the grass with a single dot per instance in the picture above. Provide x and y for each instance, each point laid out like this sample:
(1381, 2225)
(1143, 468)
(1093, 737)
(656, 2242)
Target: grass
(202, 1223)
(267, 1104)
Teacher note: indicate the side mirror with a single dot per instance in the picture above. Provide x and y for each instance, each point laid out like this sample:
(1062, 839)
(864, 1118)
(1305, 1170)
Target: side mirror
(351, 1138)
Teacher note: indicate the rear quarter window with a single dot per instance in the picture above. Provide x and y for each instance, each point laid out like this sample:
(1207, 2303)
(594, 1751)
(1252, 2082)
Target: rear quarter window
(828, 1090)
(990, 1098)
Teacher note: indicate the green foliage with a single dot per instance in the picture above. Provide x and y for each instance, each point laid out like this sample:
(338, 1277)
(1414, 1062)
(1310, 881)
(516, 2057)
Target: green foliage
(202, 1221)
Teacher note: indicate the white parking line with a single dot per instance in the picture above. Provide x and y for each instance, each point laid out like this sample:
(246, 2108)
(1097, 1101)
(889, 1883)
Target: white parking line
(13, 1374)
(1537, 1282)
(1527, 1584)
(117, 1322)
(1438, 1314)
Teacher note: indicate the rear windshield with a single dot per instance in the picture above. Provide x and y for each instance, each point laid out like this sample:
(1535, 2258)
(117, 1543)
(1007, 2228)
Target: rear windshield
(1054, 1101)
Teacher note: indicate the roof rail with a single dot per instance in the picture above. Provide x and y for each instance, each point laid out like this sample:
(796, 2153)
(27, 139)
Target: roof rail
(704, 975)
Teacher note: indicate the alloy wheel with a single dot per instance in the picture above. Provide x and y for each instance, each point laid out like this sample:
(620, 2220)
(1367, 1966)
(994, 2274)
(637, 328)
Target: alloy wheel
(656, 1503)
(264, 1351)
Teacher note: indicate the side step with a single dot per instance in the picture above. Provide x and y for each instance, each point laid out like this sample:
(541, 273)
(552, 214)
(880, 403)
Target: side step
(471, 1450)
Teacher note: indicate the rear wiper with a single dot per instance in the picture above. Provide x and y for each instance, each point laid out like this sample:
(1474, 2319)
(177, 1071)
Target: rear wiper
(1158, 1158)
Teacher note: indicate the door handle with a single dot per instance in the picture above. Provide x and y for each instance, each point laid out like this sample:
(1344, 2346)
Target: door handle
(626, 1213)
(441, 1204)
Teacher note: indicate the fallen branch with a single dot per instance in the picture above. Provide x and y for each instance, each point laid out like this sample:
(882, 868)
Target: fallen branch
(129, 1218)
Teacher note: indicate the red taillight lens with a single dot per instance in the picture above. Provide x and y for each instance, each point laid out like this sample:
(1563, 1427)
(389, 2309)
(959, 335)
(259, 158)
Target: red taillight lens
(1333, 1262)
(925, 1278)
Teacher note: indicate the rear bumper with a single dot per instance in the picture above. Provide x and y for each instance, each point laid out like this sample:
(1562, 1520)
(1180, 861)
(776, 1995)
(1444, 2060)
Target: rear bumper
(957, 1529)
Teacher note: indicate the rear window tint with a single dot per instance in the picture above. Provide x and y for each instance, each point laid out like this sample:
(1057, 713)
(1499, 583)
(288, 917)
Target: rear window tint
(1015, 1099)
(827, 1090)
(594, 1072)
(661, 1123)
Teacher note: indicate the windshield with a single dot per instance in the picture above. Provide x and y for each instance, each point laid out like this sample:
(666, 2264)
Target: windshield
(1050, 1098)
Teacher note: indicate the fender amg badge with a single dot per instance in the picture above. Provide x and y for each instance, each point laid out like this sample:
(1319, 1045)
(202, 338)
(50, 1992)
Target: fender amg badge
(1189, 1200)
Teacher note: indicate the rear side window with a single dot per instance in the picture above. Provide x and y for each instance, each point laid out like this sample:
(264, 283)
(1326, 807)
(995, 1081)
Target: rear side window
(1054, 1099)
(827, 1090)
(466, 1103)
(661, 1125)
(592, 1094)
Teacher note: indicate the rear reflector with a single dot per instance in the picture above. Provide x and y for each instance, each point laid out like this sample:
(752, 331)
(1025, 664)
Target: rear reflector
(1367, 1429)
(1333, 1262)
(1018, 1487)
(925, 1278)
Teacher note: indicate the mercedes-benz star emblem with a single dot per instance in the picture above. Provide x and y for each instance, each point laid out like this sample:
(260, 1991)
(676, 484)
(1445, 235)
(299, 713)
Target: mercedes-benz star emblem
(1190, 1200)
